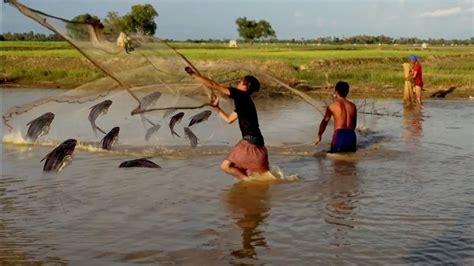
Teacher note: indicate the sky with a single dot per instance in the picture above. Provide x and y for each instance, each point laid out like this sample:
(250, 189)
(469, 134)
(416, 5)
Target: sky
(291, 19)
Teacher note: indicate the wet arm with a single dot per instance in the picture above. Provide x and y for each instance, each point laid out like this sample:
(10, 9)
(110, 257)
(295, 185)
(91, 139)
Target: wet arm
(354, 121)
(212, 84)
(228, 118)
(323, 125)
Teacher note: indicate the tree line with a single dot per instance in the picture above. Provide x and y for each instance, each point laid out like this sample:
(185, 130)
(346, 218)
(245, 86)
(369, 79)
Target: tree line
(358, 39)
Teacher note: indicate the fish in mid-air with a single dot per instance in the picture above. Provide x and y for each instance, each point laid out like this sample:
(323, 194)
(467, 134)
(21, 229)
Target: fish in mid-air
(193, 140)
(149, 99)
(96, 110)
(173, 121)
(110, 138)
(202, 116)
(145, 102)
(59, 157)
(142, 162)
(152, 130)
(169, 112)
(39, 126)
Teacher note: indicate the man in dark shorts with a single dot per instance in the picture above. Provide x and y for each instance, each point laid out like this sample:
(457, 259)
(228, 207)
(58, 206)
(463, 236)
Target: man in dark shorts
(249, 155)
(345, 121)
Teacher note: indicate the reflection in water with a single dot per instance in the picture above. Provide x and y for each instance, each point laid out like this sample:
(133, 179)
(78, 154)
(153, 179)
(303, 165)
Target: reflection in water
(412, 132)
(249, 206)
(412, 122)
(341, 192)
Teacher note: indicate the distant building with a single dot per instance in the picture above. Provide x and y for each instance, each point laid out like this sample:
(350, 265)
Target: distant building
(233, 43)
(424, 46)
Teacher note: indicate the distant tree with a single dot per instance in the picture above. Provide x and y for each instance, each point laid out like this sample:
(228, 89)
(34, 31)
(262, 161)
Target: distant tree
(114, 23)
(77, 30)
(141, 19)
(251, 30)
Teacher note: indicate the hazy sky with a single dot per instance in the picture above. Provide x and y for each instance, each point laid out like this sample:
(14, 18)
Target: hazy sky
(186, 19)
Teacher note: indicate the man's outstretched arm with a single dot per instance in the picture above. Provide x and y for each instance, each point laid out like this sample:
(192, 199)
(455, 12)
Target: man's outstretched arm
(208, 82)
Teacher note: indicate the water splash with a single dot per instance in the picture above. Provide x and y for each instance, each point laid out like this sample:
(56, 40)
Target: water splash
(275, 174)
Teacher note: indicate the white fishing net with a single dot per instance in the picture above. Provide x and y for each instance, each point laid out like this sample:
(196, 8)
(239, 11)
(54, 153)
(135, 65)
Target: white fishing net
(145, 80)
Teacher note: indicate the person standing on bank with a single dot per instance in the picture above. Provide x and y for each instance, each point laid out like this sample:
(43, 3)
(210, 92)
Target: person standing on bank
(249, 155)
(345, 121)
(417, 77)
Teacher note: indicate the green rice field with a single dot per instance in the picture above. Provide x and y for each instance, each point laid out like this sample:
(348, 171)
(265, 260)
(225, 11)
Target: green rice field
(365, 67)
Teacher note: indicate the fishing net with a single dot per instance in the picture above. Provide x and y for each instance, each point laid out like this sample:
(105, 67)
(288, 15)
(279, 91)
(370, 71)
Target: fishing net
(145, 80)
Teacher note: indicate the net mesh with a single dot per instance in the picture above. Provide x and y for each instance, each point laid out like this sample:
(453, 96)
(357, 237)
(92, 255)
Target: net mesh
(136, 67)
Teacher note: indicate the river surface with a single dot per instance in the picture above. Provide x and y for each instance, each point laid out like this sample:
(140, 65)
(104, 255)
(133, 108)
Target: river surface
(406, 196)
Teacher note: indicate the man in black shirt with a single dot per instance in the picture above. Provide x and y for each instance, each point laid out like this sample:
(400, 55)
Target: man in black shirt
(249, 155)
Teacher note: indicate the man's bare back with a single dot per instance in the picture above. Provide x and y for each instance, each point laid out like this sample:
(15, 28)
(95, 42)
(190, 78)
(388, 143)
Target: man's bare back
(345, 114)
(345, 121)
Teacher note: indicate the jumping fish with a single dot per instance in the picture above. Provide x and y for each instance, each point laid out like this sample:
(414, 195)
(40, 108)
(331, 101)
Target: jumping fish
(192, 138)
(169, 112)
(60, 157)
(173, 121)
(147, 101)
(110, 138)
(96, 110)
(39, 126)
(203, 116)
(152, 130)
(142, 162)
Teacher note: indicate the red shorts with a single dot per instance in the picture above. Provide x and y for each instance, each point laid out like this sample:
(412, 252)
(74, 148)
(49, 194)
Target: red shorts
(249, 157)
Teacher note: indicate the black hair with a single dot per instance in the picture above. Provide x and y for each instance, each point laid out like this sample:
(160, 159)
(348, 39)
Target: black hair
(342, 88)
(252, 83)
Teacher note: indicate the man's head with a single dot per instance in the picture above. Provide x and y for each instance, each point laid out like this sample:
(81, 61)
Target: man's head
(249, 84)
(413, 58)
(342, 89)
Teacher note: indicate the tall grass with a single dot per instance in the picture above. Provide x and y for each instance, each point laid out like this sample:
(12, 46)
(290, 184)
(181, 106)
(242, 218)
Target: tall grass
(363, 66)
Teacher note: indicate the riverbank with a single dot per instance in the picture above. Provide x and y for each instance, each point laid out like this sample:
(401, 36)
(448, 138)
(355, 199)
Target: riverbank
(372, 71)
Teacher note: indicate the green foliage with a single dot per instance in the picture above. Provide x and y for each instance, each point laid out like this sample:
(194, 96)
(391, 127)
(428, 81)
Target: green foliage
(77, 29)
(114, 23)
(29, 36)
(251, 30)
(140, 19)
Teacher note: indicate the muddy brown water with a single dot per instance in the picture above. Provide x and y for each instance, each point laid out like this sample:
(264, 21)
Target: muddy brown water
(405, 197)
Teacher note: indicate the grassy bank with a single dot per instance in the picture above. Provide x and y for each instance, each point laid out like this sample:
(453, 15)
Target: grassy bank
(371, 69)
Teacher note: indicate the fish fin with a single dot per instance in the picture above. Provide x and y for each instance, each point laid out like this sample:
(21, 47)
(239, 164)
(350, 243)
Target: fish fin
(46, 156)
(148, 120)
(100, 130)
(173, 133)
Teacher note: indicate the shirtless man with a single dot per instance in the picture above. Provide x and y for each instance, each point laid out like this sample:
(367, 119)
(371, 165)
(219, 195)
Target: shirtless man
(345, 121)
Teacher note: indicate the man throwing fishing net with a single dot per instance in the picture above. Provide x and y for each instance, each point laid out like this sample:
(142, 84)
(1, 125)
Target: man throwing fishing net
(345, 121)
(249, 155)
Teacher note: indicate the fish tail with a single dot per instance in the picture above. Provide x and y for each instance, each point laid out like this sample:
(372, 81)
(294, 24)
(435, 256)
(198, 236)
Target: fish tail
(173, 133)
(148, 120)
(100, 130)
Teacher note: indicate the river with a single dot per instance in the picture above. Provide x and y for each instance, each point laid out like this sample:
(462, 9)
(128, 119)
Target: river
(405, 197)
